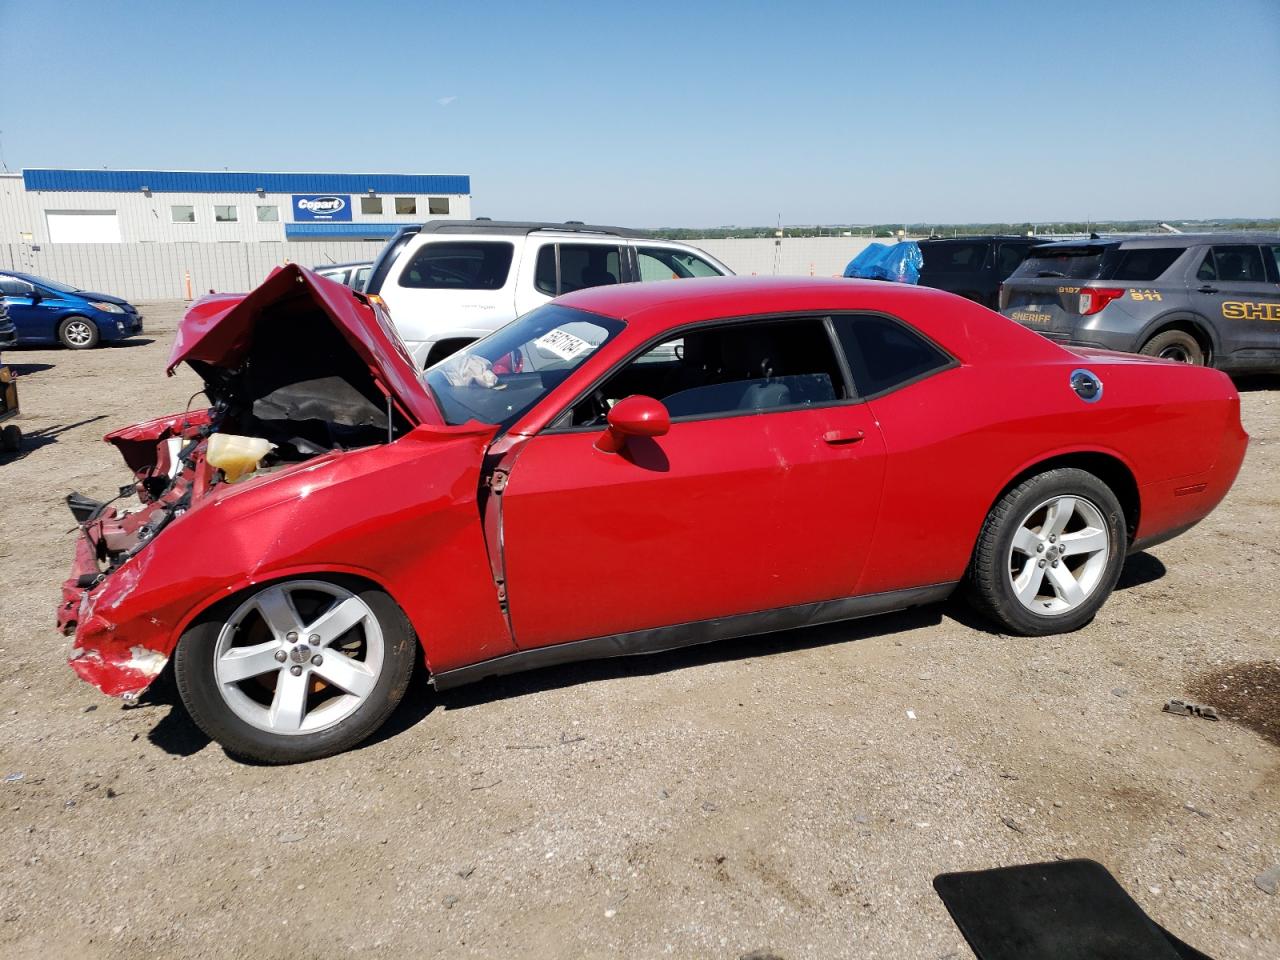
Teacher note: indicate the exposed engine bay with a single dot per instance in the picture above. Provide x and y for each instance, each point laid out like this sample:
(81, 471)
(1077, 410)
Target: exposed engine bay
(298, 388)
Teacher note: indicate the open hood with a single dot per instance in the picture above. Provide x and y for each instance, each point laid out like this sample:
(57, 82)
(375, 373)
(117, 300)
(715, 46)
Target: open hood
(219, 330)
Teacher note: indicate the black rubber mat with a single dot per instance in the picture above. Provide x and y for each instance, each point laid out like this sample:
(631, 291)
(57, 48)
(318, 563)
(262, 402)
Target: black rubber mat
(1065, 910)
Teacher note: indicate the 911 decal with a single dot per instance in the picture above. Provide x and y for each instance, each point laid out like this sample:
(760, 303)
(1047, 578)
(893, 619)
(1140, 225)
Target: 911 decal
(1145, 294)
(1245, 310)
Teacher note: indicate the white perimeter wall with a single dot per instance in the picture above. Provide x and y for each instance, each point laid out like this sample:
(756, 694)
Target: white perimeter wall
(157, 271)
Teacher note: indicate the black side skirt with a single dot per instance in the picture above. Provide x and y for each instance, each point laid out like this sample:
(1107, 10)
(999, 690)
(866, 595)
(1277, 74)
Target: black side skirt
(658, 639)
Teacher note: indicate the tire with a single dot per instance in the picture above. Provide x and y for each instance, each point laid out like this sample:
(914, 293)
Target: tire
(1039, 535)
(78, 333)
(11, 439)
(237, 698)
(1175, 345)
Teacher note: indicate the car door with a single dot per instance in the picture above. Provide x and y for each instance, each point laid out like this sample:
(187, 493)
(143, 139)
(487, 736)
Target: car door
(1232, 289)
(32, 314)
(763, 494)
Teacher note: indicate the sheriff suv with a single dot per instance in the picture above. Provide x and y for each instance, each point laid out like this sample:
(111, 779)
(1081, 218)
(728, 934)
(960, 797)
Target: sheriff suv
(974, 266)
(448, 283)
(1211, 299)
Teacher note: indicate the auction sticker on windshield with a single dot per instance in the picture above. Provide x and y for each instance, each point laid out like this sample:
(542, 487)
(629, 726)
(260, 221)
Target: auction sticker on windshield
(562, 343)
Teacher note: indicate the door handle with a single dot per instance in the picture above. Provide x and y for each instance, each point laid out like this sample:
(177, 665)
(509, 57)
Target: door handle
(1208, 289)
(840, 437)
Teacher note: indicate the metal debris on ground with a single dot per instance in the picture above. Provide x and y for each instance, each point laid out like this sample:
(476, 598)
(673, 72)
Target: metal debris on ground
(1184, 708)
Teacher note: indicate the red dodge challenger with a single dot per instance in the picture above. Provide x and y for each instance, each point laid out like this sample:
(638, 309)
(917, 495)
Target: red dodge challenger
(625, 470)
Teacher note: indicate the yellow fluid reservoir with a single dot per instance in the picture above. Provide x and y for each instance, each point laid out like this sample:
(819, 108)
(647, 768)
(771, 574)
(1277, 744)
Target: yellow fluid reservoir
(236, 456)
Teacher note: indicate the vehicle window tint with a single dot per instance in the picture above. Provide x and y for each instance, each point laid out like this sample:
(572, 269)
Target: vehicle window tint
(459, 265)
(883, 353)
(1275, 259)
(1207, 271)
(1239, 263)
(954, 256)
(1009, 256)
(658, 263)
(585, 265)
(1076, 263)
(544, 271)
(13, 287)
(1144, 264)
(722, 371)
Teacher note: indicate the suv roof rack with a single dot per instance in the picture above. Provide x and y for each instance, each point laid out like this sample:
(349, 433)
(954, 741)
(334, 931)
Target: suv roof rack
(518, 227)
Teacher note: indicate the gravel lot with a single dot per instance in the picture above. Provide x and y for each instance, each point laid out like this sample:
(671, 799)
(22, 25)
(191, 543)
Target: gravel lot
(793, 793)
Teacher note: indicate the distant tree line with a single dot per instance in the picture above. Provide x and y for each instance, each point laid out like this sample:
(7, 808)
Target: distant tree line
(886, 230)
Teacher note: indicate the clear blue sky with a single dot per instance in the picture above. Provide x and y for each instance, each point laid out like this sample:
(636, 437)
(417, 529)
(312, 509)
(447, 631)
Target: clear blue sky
(689, 114)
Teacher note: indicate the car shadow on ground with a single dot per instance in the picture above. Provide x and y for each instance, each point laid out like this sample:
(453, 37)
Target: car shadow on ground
(26, 369)
(132, 342)
(34, 440)
(1256, 382)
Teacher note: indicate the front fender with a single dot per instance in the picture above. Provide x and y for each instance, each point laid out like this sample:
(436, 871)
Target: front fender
(404, 516)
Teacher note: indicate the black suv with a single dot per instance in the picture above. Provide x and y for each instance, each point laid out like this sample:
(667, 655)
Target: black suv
(1200, 298)
(973, 267)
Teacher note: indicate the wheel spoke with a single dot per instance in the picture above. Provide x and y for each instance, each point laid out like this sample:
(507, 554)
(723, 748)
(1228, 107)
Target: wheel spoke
(1058, 516)
(289, 705)
(1089, 540)
(346, 674)
(1025, 541)
(1065, 585)
(1027, 584)
(241, 663)
(277, 610)
(338, 620)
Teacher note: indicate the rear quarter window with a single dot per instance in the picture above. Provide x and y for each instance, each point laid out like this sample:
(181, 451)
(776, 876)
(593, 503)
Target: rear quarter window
(459, 265)
(1142, 265)
(954, 257)
(884, 353)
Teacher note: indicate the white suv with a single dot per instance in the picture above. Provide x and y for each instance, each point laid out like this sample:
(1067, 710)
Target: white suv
(450, 282)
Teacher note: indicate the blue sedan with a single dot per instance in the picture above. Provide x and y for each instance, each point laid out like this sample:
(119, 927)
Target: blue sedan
(45, 311)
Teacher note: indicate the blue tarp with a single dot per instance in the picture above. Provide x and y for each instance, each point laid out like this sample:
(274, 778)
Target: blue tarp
(900, 263)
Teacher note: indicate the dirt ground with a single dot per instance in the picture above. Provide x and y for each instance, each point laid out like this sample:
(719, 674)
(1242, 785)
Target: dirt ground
(793, 794)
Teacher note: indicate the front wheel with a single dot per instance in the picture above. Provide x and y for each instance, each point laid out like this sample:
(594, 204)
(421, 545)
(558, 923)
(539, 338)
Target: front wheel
(1049, 554)
(78, 333)
(1175, 345)
(296, 670)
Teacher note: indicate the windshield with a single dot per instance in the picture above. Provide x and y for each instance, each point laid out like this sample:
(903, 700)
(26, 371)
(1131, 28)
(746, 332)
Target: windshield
(1076, 263)
(497, 379)
(54, 285)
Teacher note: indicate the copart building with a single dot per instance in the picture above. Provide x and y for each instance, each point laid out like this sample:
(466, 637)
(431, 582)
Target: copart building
(45, 206)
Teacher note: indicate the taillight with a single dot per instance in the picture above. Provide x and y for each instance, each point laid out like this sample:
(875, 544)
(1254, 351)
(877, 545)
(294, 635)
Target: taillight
(1093, 299)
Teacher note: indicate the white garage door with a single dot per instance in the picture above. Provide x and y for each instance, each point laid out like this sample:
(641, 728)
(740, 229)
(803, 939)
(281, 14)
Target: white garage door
(83, 226)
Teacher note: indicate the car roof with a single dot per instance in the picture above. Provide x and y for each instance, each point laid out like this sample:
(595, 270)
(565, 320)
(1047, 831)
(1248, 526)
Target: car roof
(525, 227)
(1165, 240)
(651, 308)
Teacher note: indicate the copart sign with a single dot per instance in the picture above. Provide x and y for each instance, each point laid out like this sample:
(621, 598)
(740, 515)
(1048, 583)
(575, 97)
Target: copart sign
(320, 206)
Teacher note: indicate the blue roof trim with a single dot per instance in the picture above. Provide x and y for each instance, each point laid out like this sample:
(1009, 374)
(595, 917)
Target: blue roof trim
(310, 231)
(178, 181)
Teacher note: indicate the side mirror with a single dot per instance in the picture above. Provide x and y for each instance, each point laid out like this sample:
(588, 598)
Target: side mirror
(634, 416)
(35, 296)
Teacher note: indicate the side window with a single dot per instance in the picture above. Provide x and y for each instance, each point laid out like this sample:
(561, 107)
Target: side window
(361, 278)
(13, 287)
(544, 271)
(884, 354)
(1009, 256)
(1239, 263)
(585, 265)
(752, 367)
(1207, 270)
(1275, 262)
(1141, 265)
(660, 263)
(459, 265)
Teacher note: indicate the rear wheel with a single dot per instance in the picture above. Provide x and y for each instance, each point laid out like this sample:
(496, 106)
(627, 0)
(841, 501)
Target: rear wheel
(296, 670)
(78, 333)
(1049, 553)
(1175, 345)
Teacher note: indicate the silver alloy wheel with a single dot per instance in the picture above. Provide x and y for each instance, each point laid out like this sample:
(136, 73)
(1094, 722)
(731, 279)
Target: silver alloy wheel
(291, 673)
(1175, 352)
(78, 333)
(1059, 554)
